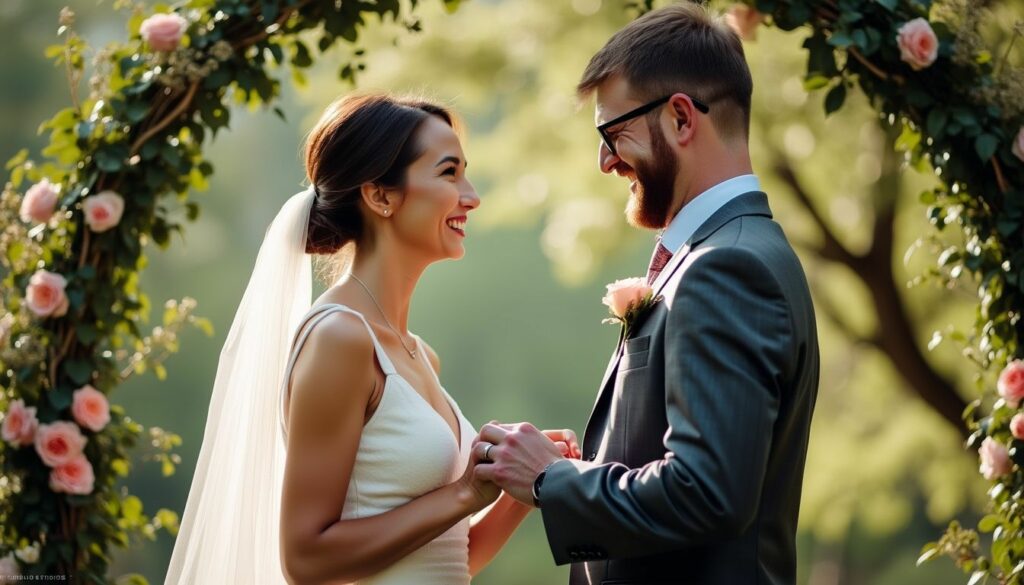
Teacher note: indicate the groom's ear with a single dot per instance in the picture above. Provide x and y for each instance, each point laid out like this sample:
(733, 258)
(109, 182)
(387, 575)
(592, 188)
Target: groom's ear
(682, 115)
(378, 198)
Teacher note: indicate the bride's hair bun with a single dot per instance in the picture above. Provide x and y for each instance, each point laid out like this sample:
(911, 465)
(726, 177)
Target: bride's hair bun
(359, 139)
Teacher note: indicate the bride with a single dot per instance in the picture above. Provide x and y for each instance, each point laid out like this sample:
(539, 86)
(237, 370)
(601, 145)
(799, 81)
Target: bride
(332, 454)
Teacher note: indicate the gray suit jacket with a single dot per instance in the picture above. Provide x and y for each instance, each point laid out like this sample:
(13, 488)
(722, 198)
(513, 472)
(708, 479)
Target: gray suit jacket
(694, 454)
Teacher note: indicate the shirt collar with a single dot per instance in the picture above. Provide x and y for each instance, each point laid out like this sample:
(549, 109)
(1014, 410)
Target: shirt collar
(703, 206)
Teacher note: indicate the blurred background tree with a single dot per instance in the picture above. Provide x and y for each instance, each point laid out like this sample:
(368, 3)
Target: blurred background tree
(517, 322)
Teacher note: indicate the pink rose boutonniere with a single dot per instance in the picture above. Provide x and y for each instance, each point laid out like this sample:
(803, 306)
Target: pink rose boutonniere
(627, 300)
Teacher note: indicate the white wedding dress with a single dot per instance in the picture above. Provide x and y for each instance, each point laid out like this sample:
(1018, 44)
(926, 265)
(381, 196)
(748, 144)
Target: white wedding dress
(406, 450)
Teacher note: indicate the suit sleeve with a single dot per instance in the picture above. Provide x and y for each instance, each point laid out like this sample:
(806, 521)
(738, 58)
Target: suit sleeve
(727, 351)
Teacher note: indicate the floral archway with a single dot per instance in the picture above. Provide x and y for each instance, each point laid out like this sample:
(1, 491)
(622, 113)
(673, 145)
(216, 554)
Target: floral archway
(121, 162)
(956, 107)
(116, 177)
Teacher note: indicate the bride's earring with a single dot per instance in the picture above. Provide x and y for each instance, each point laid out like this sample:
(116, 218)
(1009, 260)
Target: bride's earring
(387, 212)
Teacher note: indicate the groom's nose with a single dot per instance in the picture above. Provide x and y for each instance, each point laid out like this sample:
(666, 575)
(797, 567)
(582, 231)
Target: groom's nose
(606, 160)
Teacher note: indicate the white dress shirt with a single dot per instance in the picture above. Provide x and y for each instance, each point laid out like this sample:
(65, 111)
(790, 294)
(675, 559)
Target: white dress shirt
(702, 207)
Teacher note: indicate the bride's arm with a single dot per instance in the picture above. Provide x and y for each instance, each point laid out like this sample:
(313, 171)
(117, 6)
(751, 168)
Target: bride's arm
(491, 528)
(331, 388)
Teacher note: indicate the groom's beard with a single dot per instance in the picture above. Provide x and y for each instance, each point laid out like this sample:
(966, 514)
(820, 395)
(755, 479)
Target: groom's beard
(649, 205)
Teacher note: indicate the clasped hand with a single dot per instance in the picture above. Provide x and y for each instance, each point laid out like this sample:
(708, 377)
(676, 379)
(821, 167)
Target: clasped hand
(511, 456)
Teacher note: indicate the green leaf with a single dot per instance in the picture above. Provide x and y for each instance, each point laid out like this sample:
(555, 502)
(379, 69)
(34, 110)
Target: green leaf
(17, 159)
(131, 579)
(989, 523)
(60, 397)
(908, 139)
(168, 519)
(821, 58)
(840, 39)
(16, 249)
(171, 154)
(835, 98)
(131, 510)
(816, 82)
(108, 161)
(86, 333)
(161, 235)
(136, 111)
(301, 57)
(937, 119)
(269, 11)
(167, 468)
(889, 5)
(985, 145)
(79, 370)
(53, 51)
(204, 325)
(120, 467)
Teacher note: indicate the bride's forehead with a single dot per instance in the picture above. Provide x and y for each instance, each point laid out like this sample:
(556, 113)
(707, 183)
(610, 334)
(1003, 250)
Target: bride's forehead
(436, 136)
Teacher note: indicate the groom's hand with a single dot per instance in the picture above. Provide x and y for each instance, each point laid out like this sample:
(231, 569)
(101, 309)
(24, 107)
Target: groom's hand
(519, 454)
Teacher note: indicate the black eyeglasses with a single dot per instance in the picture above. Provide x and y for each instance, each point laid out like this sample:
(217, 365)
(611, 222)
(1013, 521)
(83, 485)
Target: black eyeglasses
(603, 128)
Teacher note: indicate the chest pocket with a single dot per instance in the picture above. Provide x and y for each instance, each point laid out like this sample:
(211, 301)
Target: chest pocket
(635, 353)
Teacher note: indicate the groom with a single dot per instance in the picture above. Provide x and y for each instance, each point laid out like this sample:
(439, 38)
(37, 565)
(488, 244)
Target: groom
(693, 458)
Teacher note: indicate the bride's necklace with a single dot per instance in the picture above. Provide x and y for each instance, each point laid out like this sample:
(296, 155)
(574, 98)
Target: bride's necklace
(411, 352)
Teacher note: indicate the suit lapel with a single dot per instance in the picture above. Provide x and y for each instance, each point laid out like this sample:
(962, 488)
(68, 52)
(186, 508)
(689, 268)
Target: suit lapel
(752, 203)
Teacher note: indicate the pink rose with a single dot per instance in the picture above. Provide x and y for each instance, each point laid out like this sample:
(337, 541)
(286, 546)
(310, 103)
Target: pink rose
(45, 294)
(623, 294)
(163, 31)
(1018, 144)
(995, 459)
(90, 408)
(74, 477)
(1011, 383)
(918, 44)
(39, 202)
(59, 442)
(20, 424)
(1017, 426)
(103, 210)
(9, 569)
(744, 20)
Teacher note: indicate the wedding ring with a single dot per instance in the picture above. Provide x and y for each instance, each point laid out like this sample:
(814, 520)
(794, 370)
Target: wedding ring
(487, 451)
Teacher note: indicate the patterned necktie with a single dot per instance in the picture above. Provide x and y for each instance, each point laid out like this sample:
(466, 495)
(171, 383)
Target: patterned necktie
(658, 261)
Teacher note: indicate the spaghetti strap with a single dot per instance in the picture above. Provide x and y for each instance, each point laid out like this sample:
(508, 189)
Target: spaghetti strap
(319, 313)
(312, 319)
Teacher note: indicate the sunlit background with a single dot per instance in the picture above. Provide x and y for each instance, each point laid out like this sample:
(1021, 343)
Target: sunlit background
(517, 322)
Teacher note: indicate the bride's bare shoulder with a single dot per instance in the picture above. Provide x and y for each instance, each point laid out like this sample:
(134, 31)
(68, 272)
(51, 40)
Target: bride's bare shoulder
(335, 365)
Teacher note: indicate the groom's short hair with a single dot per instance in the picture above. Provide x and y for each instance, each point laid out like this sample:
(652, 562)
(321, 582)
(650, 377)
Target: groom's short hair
(679, 48)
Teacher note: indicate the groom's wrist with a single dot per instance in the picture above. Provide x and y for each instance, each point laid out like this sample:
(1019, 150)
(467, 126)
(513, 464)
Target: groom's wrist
(538, 482)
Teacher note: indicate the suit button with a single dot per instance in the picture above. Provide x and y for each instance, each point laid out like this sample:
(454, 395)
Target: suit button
(574, 555)
(592, 456)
